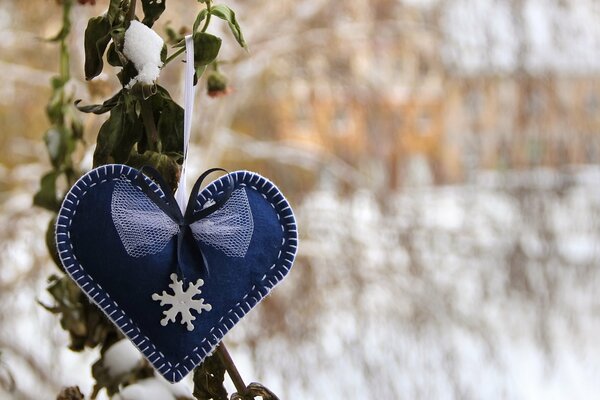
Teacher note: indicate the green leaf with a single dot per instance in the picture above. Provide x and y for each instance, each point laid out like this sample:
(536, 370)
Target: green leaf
(55, 108)
(198, 73)
(172, 36)
(46, 197)
(163, 54)
(100, 108)
(120, 132)
(206, 48)
(54, 144)
(60, 144)
(152, 10)
(57, 82)
(97, 36)
(76, 126)
(199, 18)
(227, 14)
(132, 130)
(113, 57)
(109, 136)
(170, 122)
(51, 243)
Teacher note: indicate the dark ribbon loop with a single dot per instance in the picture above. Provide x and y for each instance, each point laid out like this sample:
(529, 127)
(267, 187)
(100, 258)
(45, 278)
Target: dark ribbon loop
(169, 206)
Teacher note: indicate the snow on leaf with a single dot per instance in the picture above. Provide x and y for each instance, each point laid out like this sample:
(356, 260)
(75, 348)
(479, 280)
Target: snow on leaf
(182, 302)
(143, 47)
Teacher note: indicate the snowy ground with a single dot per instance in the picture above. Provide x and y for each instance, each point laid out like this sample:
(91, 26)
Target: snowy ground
(483, 291)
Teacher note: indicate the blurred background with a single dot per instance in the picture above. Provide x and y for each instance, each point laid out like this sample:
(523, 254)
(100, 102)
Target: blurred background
(442, 158)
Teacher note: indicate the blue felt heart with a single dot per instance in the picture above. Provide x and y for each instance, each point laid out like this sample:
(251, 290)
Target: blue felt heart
(123, 253)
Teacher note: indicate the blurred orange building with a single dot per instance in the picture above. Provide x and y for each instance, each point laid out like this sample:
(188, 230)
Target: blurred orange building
(391, 99)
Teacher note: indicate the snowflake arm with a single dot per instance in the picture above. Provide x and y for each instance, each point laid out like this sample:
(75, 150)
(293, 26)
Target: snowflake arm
(182, 302)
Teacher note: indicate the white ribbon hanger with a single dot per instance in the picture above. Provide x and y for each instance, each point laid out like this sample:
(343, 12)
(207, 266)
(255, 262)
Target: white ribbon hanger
(188, 108)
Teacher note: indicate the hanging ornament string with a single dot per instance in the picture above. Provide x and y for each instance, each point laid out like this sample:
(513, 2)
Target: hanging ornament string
(181, 210)
(188, 109)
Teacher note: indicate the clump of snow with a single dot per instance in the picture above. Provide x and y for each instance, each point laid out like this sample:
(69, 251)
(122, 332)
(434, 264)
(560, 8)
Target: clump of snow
(121, 358)
(153, 389)
(143, 47)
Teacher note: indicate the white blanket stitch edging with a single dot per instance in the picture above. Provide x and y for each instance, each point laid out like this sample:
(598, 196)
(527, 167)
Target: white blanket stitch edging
(94, 291)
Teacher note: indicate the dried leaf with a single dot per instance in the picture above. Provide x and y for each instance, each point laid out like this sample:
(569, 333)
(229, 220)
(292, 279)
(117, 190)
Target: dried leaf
(100, 108)
(70, 393)
(46, 196)
(67, 302)
(96, 39)
(170, 122)
(209, 378)
(167, 167)
(109, 135)
(127, 73)
(152, 11)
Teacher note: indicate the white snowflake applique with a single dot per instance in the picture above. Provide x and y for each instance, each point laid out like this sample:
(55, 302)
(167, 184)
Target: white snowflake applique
(182, 302)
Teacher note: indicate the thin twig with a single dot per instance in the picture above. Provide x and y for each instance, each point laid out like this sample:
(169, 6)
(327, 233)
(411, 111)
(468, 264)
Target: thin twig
(232, 370)
(209, 8)
(172, 56)
(131, 12)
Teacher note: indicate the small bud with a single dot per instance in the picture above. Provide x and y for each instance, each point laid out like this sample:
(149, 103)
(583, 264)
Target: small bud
(217, 84)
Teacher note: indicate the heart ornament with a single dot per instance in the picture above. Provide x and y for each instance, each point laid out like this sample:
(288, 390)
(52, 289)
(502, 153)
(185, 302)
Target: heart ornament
(175, 283)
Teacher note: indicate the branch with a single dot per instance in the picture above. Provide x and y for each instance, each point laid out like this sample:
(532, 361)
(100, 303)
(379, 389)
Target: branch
(232, 370)
(243, 392)
(131, 12)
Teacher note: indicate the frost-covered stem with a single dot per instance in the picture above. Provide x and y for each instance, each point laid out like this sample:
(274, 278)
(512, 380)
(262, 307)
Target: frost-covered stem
(232, 370)
(148, 119)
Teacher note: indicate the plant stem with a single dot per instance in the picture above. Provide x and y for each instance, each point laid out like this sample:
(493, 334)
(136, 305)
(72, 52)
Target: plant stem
(172, 56)
(65, 73)
(232, 370)
(208, 7)
(204, 27)
(131, 12)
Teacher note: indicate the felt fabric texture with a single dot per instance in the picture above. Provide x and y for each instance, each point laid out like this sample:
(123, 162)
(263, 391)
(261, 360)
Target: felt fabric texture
(122, 286)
